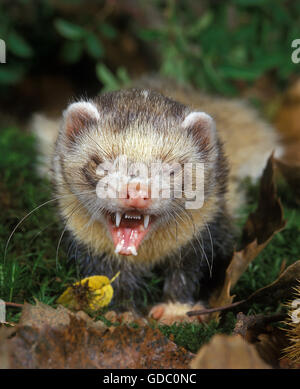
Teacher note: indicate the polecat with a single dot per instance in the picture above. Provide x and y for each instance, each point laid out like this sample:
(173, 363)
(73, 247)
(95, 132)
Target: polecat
(139, 234)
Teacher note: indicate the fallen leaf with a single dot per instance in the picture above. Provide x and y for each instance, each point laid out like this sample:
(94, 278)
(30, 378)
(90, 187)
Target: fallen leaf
(228, 352)
(280, 289)
(77, 345)
(268, 340)
(251, 326)
(127, 317)
(41, 315)
(258, 231)
(69, 346)
(270, 346)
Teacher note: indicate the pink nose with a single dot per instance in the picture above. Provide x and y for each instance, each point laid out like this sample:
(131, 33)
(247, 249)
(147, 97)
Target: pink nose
(138, 196)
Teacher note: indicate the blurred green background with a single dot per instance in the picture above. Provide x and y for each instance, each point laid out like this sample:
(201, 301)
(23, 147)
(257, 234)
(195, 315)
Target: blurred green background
(57, 49)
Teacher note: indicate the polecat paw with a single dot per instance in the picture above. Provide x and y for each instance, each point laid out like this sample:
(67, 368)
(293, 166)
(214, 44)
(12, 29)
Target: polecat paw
(169, 313)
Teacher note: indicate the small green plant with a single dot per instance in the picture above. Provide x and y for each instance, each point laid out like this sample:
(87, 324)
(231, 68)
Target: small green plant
(36, 32)
(212, 44)
(232, 41)
(109, 80)
(28, 267)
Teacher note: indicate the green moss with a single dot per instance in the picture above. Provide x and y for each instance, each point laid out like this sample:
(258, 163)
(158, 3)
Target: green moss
(192, 336)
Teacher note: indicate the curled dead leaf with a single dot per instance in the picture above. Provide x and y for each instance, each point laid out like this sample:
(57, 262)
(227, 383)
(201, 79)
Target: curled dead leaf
(228, 352)
(259, 330)
(258, 231)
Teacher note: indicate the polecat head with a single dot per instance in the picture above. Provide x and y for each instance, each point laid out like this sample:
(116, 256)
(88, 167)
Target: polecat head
(133, 159)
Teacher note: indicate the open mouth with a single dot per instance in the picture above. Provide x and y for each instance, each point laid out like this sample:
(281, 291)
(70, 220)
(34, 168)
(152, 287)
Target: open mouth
(128, 230)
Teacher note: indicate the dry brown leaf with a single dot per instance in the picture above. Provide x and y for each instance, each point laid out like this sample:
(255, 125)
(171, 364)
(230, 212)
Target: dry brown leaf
(268, 340)
(251, 326)
(270, 346)
(127, 317)
(259, 229)
(228, 352)
(40, 315)
(280, 289)
(56, 338)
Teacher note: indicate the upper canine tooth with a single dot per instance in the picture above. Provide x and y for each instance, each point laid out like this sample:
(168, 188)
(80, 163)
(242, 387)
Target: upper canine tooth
(146, 221)
(118, 218)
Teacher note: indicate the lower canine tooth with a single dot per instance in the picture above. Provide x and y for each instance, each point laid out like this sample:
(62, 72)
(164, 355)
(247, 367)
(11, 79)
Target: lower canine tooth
(118, 248)
(133, 250)
(118, 219)
(146, 221)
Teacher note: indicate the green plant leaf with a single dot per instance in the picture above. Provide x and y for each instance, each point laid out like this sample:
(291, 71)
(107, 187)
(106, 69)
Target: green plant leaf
(236, 73)
(17, 45)
(107, 78)
(123, 75)
(10, 75)
(72, 51)
(69, 30)
(150, 34)
(94, 46)
(251, 3)
(108, 31)
(200, 25)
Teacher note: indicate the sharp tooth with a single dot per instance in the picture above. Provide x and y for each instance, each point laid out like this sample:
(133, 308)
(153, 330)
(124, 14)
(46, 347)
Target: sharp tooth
(146, 221)
(118, 248)
(133, 250)
(118, 219)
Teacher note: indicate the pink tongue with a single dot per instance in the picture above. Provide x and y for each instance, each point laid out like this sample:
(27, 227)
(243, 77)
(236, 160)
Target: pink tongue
(127, 240)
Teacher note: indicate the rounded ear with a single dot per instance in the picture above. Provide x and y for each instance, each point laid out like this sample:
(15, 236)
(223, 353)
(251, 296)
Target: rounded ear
(202, 126)
(78, 116)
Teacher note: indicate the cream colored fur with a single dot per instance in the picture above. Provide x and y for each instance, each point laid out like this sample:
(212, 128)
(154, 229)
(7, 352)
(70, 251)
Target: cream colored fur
(248, 139)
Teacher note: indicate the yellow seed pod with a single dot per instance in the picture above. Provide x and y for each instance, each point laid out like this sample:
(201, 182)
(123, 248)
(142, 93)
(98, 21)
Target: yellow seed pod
(92, 293)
